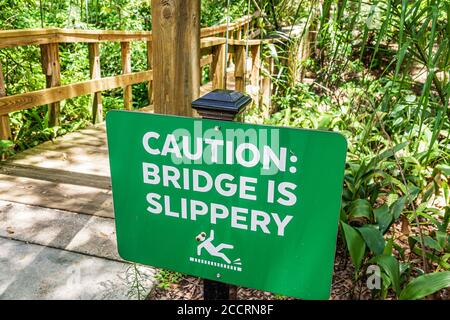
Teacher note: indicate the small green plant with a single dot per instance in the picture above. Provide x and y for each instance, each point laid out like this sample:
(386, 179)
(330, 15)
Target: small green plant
(6, 148)
(136, 279)
(167, 278)
(365, 84)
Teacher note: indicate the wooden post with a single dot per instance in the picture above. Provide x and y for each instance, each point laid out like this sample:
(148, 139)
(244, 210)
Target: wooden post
(266, 88)
(94, 66)
(239, 68)
(218, 67)
(256, 65)
(246, 28)
(52, 70)
(176, 55)
(126, 68)
(239, 33)
(150, 67)
(5, 129)
(230, 55)
(255, 78)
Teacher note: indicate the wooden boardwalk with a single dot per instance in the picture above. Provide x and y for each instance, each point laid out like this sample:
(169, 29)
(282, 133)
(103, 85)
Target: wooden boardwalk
(70, 173)
(56, 210)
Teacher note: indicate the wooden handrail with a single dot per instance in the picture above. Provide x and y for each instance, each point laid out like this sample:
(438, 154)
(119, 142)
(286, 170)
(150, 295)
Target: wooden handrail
(211, 42)
(210, 31)
(45, 96)
(213, 53)
(15, 38)
(22, 37)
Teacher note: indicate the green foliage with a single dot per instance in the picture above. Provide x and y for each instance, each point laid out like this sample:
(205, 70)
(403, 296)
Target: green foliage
(136, 280)
(425, 285)
(167, 278)
(23, 72)
(214, 12)
(355, 243)
(391, 267)
(6, 147)
(379, 74)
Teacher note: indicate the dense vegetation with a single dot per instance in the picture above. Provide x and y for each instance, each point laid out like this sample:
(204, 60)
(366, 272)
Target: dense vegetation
(23, 72)
(377, 71)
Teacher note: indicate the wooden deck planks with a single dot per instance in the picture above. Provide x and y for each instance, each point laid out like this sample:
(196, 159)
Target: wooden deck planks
(63, 196)
(69, 173)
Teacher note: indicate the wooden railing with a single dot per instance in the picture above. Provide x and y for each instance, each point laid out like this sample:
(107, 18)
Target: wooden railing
(212, 53)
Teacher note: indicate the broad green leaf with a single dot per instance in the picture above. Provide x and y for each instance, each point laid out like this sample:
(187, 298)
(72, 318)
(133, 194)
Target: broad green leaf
(446, 221)
(324, 121)
(389, 247)
(5, 144)
(397, 207)
(385, 284)
(410, 98)
(383, 217)
(389, 153)
(355, 243)
(425, 285)
(360, 210)
(443, 261)
(373, 238)
(412, 242)
(392, 197)
(390, 266)
(429, 242)
(445, 169)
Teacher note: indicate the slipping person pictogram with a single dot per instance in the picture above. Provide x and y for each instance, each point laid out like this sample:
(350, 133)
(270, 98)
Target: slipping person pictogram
(206, 243)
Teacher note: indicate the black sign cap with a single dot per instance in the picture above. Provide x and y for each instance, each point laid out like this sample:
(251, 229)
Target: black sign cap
(221, 104)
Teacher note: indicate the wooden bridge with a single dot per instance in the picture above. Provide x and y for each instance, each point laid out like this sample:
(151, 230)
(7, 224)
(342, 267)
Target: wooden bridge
(81, 157)
(58, 194)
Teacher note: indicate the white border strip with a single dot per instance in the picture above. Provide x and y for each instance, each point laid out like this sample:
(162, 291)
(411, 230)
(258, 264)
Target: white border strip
(215, 264)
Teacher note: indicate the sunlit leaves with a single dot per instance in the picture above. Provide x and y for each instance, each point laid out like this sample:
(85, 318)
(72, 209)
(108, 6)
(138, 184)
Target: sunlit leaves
(355, 243)
(425, 285)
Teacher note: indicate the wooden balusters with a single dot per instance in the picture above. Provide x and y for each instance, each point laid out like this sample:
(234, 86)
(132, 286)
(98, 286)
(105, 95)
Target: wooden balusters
(239, 33)
(5, 129)
(266, 87)
(126, 68)
(218, 67)
(94, 66)
(239, 68)
(246, 29)
(255, 52)
(230, 55)
(177, 74)
(150, 67)
(52, 70)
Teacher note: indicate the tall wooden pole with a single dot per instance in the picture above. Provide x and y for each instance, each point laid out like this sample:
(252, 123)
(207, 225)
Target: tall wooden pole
(176, 55)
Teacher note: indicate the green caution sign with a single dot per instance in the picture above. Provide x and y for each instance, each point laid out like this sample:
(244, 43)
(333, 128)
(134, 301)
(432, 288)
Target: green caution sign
(250, 205)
